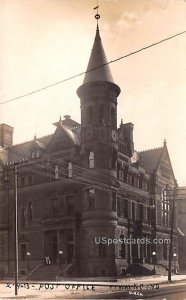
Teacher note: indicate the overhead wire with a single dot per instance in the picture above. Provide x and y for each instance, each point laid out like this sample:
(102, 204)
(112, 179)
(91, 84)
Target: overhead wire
(93, 69)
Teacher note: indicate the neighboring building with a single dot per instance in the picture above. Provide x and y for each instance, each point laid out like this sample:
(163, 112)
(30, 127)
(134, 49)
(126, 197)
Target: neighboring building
(84, 182)
(181, 209)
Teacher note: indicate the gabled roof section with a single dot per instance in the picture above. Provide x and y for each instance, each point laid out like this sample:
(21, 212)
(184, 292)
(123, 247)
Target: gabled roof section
(64, 134)
(158, 160)
(98, 58)
(151, 158)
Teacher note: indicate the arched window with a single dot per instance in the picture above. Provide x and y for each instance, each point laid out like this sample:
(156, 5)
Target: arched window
(113, 117)
(101, 114)
(91, 160)
(30, 212)
(90, 115)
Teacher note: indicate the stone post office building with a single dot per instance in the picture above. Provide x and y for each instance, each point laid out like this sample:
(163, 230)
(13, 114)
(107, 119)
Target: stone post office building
(81, 185)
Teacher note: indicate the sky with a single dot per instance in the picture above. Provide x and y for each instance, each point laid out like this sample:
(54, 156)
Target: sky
(46, 41)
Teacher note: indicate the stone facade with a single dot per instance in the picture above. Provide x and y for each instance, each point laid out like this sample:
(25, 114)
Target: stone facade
(82, 184)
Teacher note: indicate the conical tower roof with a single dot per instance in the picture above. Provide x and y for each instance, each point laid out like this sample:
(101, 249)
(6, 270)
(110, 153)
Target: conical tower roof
(97, 59)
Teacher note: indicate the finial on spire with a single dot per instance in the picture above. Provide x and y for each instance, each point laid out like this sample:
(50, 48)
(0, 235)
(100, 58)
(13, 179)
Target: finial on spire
(60, 120)
(35, 138)
(164, 142)
(97, 16)
(121, 121)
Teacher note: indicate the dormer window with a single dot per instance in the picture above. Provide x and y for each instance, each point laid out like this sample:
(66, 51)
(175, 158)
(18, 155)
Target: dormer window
(33, 154)
(37, 153)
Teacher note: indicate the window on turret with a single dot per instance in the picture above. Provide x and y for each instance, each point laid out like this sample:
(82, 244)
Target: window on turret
(91, 160)
(113, 117)
(101, 114)
(90, 115)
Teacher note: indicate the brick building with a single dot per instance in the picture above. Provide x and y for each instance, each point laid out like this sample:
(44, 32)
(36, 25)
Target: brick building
(82, 183)
(181, 211)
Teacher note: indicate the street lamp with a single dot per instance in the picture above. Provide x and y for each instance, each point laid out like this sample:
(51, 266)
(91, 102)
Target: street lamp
(60, 260)
(154, 270)
(28, 261)
(174, 255)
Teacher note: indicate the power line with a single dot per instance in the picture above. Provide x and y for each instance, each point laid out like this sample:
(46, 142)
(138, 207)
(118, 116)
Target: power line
(93, 69)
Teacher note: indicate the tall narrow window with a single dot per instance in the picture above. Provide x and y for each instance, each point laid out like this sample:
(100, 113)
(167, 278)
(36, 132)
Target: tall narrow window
(148, 214)
(165, 206)
(56, 173)
(125, 208)
(141, 212)
(70, 205)
(29, 180)
(91, 199)
(101, 114)
(133, 211)
(30, 212)
(54, 208)
(122, 253)
(23, 251)
(119, 206)
(23, 217)
(125, 174)
(90, 115)
(165, 251)
(22, 181)
(114, 201)
(91, 160)
(113, 159)
(113, 117)
(69, 170)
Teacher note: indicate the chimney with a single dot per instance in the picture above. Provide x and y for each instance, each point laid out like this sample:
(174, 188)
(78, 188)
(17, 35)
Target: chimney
(6, 135)
(128, 132)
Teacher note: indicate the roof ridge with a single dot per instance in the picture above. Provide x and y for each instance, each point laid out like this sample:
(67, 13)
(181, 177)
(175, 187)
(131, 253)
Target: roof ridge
(37, 139)
(152, 149)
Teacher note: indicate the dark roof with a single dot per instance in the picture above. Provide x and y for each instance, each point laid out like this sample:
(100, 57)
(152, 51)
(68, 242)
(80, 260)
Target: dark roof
(21, 151)
(98, 58)
(151, 158)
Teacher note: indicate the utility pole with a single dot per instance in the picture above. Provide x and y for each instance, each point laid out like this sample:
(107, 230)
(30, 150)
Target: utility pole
(171, 232)
(16, 228)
